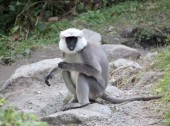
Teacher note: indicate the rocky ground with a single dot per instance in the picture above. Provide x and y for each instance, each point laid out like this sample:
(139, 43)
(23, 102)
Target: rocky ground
(131, 75)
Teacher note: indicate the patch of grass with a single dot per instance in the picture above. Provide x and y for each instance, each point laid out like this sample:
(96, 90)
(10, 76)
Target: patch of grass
(168, 119)
(163, 64)
(115, 15)
(10, 49)
(130, 13)
(163, 60)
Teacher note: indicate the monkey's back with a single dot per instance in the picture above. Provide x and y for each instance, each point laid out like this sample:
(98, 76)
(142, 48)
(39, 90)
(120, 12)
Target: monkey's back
(98, 55)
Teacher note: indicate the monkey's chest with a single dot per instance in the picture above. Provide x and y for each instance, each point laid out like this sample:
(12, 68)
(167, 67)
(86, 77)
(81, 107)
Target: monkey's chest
(74, 76)
(73, 58)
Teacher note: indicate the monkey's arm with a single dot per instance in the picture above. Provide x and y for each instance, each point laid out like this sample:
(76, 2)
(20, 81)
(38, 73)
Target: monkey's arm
(50, 75)
(82, 68)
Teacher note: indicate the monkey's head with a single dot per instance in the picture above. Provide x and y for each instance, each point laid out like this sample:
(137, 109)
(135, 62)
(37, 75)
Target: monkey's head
(72, 40)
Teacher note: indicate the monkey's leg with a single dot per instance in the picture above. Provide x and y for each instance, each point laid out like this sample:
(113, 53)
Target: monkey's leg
(70, 85)
(82, 92)
(68, 82)
(82, 89)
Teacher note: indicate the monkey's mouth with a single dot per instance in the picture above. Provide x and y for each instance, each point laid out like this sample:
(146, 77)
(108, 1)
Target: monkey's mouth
(71, 48)
(71, 45)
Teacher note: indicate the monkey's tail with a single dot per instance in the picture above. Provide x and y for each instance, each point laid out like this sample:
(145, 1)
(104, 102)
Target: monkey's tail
(117, 101)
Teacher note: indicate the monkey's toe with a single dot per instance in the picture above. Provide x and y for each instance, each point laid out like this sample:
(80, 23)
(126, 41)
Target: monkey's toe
(73, 106)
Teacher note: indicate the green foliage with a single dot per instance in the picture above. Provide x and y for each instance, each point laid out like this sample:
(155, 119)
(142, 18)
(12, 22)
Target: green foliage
(146, 14)
(9, 49)
(24, 15)
(168, 39)
(2, 101)
(109, 15)
(163, 60)
(10, 117)
(168, 119)
(163, 63)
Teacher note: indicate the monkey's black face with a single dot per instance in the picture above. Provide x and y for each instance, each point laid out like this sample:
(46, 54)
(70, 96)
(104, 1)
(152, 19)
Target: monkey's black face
(71, 42)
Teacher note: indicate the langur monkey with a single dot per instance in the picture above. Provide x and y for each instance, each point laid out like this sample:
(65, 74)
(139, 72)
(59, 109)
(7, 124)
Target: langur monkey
(85, 70)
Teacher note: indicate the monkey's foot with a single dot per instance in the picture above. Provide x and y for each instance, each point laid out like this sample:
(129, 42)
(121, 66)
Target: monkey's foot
(73, 100)
(73, 106)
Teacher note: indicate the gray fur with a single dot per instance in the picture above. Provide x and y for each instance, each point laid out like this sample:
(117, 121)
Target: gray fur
(86, 75)
(92, 67)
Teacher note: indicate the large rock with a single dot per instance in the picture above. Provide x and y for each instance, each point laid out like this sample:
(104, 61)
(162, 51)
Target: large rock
(115, 52)
(79, 116)
(31, 95)
(31, 70)
(26, 89)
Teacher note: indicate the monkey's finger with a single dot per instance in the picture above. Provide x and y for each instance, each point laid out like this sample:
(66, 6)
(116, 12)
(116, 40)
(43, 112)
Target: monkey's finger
(65, 108)
(46, 81)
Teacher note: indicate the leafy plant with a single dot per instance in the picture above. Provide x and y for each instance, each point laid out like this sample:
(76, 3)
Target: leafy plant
(10, 117)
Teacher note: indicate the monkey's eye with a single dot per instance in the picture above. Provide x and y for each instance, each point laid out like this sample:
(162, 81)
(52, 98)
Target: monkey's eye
(71, 42)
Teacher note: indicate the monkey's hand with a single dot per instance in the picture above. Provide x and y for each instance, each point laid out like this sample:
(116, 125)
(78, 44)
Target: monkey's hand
(79, 67)
(65, 65)
(49, 76)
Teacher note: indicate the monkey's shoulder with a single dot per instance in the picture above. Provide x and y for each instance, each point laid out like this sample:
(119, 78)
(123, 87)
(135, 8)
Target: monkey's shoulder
(94, 51)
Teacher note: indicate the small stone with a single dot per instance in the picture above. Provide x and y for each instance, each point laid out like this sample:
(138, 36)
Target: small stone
(111, 28)
(113, 91)
(128, 32)
(150, 56)
(53, 19)
(126, 63)
(37, 92)
(30, 107)
(1, 96)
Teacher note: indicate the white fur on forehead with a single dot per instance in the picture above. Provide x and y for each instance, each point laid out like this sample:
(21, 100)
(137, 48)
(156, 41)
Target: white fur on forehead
(71, 32)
